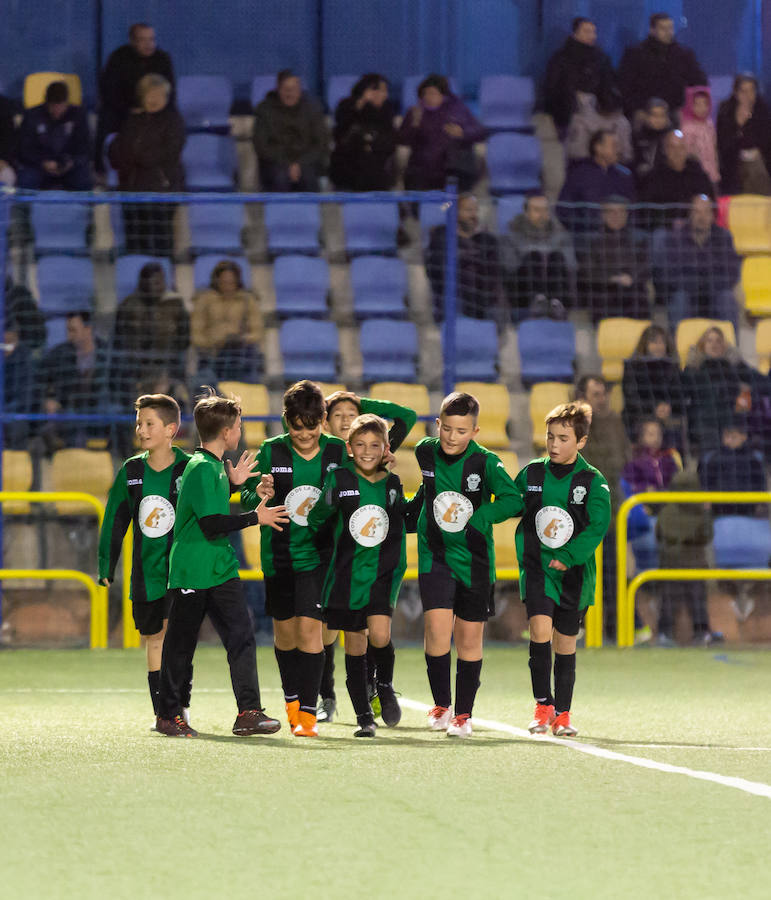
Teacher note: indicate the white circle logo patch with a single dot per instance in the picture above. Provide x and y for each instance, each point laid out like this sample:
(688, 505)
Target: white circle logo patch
(369, 525)
(554, 526)
(300, 501)
(452, 511)
(156, 516)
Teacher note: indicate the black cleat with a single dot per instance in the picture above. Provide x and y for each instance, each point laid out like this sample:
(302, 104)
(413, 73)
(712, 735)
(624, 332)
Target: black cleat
(254, 721)
(176, 727)
(326, 710)
(389, 705)
(367, 727)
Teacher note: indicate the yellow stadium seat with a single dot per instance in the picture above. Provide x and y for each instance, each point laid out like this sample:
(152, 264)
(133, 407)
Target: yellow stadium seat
(763, 345)
(251, 539)
(408, 470)
(17, 476)
(412, 551)
(617, 337)
(510, 461)
(756, 284)
(415, 396)
(254, 402)
(617, 398)
(36, 83)
(544, 396)
(505, 551)
(90, 471)
(749, 221)
(494, 412)
(690, 330)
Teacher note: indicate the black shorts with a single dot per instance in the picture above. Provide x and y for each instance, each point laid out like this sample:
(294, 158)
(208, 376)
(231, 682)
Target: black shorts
(149, 615)
(566, 621)
(291, 594)
(354, 619)
(439, 590)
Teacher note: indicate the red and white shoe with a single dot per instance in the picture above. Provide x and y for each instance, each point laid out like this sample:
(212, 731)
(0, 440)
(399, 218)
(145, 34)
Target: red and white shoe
(439, 718)
(542, 718)
(460, 726)
(561, 726)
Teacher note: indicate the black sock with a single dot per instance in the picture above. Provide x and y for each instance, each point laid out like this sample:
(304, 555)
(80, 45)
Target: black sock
(466, 685)
(384, 662)
(356, 682)
(288, 665)
(372, 673)
(327, 687)
(154, 683)
(309, 668)
(564, 679)
(438, 668)
(540, 672)
(187, 690)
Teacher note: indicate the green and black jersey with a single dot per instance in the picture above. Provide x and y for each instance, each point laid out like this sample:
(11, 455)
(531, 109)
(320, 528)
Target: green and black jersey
(148, 500)
(455, 523)
(298, 484)
(565, 518)
(403, 418)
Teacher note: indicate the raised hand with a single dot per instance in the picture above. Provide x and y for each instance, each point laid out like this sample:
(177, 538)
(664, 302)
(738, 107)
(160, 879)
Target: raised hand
(266, 489)
(243, 469)
(275, 516)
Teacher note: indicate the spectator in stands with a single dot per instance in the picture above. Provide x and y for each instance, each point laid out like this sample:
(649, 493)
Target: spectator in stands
(614, 270)
(440, 131)
(364, 138)
(290, 137)
(147, 153)
(675, 177)
(695, 267)
(744, 140)
(54, 147)
(19, 381)
(653, 464)
(227, 327)
(22, 309)
(478, 270)
(734, 466)
(658, 67)
(124, 69)
(7, 143)
(537, 257)
(653, 126)
(699, 130)
(593, 115)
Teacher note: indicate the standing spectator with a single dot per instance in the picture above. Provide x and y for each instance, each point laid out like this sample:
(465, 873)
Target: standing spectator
(364, 138)
(653, 464)
(118, 81)
(653, 126)
(54, 144)
(744, 140)
(7, 143)
(593, 115)
(148, 156)
(19, 380)
(658, 67)
(22, 309)
(734, 466)
(440, 131)
(699, 130)
(676, 177)
(290, 137)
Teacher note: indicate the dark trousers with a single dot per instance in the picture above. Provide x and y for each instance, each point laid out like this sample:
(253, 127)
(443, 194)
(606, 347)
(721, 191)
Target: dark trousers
(227, 610)
(693, 595)
(275, 177)
(37, 179)
(538, 273)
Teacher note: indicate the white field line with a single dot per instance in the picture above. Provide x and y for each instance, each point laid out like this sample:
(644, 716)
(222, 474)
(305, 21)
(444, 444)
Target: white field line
(196, 690)
(741, 784)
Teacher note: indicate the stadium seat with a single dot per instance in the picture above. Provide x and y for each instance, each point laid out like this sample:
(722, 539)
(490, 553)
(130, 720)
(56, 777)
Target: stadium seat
(742, 542)
(209, 161)
(763, 345)
(505, 548)
(310, 349)
(407, 468)
(389, 350)
(338, 88)
(65, 284)
(17, 476)
(216, 227)
(617, 337)
(61, 227)
(262, 85)
(543, 398)
(721, 87)
(431, 215)
(494, 410)
(379, 285)
(412, 551)
(749, 221)
(127, 269)
(410, 89)
(370, 227)
(616, 401)
(35, 85)
(204, 100)
(513, 162)
(254, 402)
(506, 209)
(476, 349)
(756, 284)
(414, 396)
(251, 541)
(293, 227)
(89, 471)
(203, 266)
(302, 286)
(690, 330)
(506, 101)
(510, 461)
(56, 331)
(547, 350)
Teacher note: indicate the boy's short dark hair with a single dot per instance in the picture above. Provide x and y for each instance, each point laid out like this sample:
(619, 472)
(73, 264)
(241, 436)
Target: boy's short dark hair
(582, 385)
(434, 80)
(57, 92)
(304, 403)
(658, 17)
(340, 397)
(578, 22)
(213, 413)
(369, 423)
(166, 407)
(83, 314)
(647, 420)
(577, 414)
(656, 103)
(459, 404)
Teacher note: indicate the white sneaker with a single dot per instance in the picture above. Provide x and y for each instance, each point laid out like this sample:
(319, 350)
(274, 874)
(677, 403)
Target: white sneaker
(460, 726)
(439, 718)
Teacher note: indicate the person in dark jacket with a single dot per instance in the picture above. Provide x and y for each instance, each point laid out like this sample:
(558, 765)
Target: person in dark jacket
(19, 381)
(648, 136)
(21, 308)
(7, 142)
(658, 67)
(440, 131)
(734, 466)
(290, 137)
(676, 177)
(744, 140)
(54, 146)
(364, 138)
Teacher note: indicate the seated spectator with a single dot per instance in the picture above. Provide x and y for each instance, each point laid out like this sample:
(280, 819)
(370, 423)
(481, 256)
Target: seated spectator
(227, 328)
(54, 147)
(478, 269)
(440, 131)
(290, 137)
(734, 466)
(7, 143)
(699, 130)
(653, 464)
(22, 309)
(653, 126)
(744, 140)
(676, 177)
(592, 115)
(537, 257)
(364, 138)
(658, 67)
(19, 381)
(615, 268)
(695, 267)
(147, 153)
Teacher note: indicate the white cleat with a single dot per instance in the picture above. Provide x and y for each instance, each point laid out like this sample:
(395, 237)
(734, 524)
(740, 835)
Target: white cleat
(439, 718)
(460, 726)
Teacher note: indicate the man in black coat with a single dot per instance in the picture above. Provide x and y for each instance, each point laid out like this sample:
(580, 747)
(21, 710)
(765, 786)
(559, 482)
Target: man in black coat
(676, 178)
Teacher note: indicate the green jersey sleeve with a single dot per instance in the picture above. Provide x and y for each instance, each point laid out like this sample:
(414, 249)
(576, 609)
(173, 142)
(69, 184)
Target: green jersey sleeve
(249, 498)
(509, 499)
(326, 506)
(403, 418)
(581, 548)
(203, 488)
(117, 518)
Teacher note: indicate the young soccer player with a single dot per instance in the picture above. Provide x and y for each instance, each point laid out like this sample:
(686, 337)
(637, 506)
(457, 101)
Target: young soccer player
(294, 466)
(456, 556)
(566, 515)
(203, 571)
(145, 494)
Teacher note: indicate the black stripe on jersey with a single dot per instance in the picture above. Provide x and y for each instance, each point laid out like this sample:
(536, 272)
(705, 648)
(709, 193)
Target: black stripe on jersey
(480, 556)
(135, 471)
(427, 462)
(340, 593)
(535, 583)
(573, 581)
(391, 548)
(176, 474)
(331, 456)
(281, 459)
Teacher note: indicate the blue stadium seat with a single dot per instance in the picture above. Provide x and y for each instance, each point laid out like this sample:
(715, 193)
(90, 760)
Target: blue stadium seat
(261, 85)
(370, 227)
(431, 215)
(476, 350)
(338, 88)
(379, 286)
(204, 100)
(514, 163)
(547, 350)
(127, 269)
(742, 542)
(61, 227)
(202, 269)
(56, 331)
(721, 87)
(293, 227)
(389, 350)
(410, 89)
(215, 226)
(506, 101)
(310, 349)
(302, 286)
(209, 161)
(65, 284)
(506, 209)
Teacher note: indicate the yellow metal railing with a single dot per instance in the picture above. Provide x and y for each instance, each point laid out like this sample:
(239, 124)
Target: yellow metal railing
(625, 592)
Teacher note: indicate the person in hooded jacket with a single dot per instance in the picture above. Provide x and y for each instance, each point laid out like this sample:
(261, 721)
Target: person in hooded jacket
(699, 130)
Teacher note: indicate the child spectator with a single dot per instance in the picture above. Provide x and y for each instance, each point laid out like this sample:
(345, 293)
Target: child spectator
(734, 466)
(654, 125)
(699, 130)
(594, 114)
(653, 465)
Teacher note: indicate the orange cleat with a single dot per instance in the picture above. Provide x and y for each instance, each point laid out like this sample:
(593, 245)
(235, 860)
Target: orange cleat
(293, 713)
(561, 726)
(542, 718)
(306, 725)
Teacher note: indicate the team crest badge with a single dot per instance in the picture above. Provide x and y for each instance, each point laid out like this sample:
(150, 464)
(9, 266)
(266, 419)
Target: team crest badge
(331, 466)
(579, 493)
(177, 483)
(368, 526)
(155, 516)
(299, 502)
(473, 482)
(452, 511)
(554, 526)
(392, 495)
